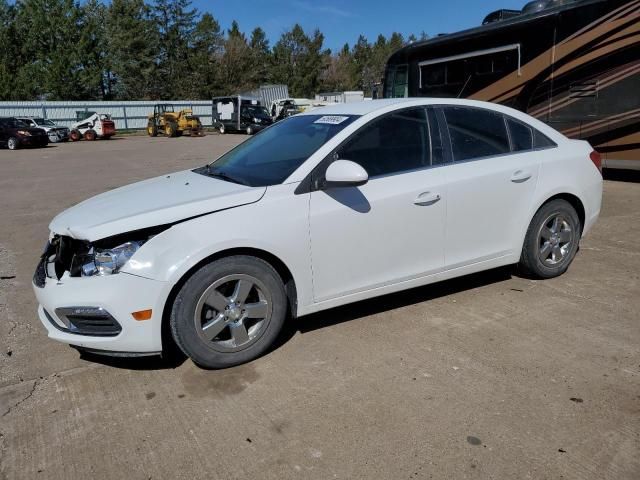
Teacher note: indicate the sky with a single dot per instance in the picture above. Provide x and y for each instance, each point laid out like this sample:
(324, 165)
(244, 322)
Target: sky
(343, 21)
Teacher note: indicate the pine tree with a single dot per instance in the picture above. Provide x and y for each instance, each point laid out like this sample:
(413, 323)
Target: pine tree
(175, 20)
(132, 40)
(205, 57)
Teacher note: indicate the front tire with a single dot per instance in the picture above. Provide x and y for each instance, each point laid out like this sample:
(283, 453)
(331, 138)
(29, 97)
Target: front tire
(90, 135)
(75, 135)
(229, 312)
(552, 240)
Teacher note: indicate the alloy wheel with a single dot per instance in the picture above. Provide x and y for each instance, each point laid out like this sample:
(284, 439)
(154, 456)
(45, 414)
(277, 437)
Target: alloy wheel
(555, 240)
(233, 313)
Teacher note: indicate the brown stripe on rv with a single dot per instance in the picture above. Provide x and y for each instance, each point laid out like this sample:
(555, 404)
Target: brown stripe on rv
(496, 91)
(608, 123)
(620, 11)
(566, 99)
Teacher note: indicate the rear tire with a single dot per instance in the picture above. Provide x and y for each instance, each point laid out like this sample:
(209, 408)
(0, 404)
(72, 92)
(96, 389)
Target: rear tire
(229, 312)
(13, 143)
(90, 135)
(552, 240)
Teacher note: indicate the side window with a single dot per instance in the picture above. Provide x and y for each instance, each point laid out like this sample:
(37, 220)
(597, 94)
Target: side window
(435, 139)
(540, 140)
(476, 133)
(397, 142)
(521, 135)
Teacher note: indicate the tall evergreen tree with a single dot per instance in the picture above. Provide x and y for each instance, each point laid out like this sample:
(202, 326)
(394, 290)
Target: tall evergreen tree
(9, 55)
(176, 21)
(207, 48)
(132, 40)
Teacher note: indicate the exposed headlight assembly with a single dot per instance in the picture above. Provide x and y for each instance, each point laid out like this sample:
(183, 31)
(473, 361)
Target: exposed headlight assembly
(24, 133)
(106, 261)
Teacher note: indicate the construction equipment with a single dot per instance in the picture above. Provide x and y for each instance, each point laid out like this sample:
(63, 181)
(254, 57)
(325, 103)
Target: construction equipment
(92, 125)
(166, 120)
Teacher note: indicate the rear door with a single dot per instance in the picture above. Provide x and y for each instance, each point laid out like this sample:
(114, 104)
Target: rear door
(490, 184)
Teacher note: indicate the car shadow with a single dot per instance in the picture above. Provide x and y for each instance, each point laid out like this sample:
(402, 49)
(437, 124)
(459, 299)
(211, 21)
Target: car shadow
(172, 357)
(631, 176)
(385, 303)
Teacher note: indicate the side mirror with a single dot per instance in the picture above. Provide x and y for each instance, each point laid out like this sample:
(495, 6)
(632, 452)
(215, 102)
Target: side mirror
(345, 173)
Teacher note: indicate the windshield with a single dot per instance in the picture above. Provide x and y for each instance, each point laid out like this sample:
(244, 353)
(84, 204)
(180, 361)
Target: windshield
(256, 111)
(42, 121)
(269, 157)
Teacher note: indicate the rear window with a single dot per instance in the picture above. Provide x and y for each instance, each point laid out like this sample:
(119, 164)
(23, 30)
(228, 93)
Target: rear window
(521, 135)
(476, 133)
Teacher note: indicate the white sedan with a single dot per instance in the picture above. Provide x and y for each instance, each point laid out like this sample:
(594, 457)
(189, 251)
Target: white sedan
(322, 209)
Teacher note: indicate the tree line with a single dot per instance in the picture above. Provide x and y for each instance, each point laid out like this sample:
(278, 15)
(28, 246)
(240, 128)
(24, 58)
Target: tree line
(164, 49)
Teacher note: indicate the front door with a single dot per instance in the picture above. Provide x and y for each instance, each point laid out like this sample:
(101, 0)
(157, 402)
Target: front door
(390, 229)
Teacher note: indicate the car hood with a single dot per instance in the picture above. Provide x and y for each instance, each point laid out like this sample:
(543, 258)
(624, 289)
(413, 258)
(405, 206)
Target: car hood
(157, 201)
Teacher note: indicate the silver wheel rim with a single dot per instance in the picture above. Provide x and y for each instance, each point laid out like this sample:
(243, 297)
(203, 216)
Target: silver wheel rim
(12, 144)
(249, 131)
(555, 240)
(233, 313)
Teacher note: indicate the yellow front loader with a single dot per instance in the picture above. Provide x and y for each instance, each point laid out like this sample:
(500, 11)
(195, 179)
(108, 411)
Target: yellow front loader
(167, 121)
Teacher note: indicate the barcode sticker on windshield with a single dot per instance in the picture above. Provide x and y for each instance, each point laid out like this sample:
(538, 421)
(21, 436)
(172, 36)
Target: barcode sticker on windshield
(331, 119)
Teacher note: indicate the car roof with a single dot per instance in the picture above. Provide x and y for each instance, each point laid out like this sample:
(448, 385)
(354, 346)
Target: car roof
(366, 107)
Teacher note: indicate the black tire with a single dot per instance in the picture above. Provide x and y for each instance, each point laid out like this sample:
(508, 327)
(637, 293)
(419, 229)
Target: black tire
(189, 313)
(90, 135)
(539, 259)
(75, 135)
(222, 129)
(13, 143)
(170, 129)
(152, 129)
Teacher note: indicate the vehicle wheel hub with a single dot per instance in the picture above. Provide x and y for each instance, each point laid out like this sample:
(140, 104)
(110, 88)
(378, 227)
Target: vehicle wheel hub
(233, 313)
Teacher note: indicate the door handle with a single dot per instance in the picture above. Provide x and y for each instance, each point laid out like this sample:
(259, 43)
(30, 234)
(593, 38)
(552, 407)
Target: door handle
(427, 198)
(520, 176)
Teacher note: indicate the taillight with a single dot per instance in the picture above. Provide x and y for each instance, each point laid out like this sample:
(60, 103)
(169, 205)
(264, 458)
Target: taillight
(596, 158)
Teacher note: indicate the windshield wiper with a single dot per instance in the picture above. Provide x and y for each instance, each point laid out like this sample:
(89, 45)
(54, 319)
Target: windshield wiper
(225, 176)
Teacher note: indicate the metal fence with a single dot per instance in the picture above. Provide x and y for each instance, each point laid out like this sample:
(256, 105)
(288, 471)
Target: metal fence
(127, 115)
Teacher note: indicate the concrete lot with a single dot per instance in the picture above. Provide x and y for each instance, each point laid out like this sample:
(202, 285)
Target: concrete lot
(489, 376)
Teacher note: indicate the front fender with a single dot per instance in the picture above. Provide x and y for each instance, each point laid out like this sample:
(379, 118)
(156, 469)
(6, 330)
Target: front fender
(277, 224)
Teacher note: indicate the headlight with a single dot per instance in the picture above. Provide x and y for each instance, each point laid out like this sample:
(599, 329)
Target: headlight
(24, 133)
(108, 261)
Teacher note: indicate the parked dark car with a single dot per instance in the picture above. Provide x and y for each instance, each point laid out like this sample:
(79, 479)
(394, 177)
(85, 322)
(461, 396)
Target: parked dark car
(15, 133)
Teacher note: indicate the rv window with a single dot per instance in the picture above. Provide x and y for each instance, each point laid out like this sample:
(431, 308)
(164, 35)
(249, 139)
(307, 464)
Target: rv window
(476, 133)
(456, 72)
(400, 82)
(433, 75)
(521, 136)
